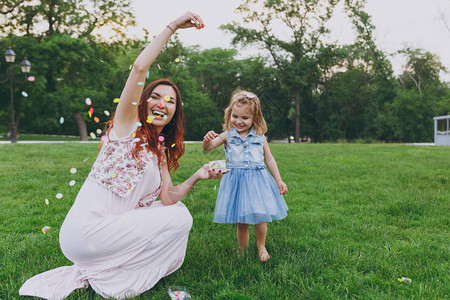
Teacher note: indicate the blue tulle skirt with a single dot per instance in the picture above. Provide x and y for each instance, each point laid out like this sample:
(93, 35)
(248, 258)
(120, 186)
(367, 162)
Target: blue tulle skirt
(249, 196)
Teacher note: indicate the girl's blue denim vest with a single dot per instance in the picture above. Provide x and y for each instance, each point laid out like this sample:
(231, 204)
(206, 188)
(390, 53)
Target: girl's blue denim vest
(245, 153)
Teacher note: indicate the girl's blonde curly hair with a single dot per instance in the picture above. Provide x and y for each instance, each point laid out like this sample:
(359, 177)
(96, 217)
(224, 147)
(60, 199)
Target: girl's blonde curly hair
(241, 98)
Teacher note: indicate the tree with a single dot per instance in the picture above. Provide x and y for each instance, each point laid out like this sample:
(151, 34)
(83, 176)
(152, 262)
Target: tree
(421, 97)
(219, 73)
(76, 18)
(217, 70)
(294, 58)
(64, 31)
(77, 69)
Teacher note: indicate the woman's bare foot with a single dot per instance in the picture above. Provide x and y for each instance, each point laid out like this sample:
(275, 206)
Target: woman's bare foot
(263, 254)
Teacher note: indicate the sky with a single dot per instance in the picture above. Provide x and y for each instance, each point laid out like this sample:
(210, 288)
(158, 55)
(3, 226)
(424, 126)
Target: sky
(398, 23)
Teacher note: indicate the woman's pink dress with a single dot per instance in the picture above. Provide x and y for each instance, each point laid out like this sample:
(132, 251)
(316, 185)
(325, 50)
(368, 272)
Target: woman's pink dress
(120, 240)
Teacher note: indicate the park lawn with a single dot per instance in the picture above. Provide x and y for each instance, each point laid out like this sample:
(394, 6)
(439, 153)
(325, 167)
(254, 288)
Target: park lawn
(361, 216)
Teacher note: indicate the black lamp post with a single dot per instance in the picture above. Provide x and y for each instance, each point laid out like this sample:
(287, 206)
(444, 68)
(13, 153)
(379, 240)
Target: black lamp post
(25, 66)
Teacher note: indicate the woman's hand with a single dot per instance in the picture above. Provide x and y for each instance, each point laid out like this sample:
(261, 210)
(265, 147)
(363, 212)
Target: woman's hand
(187, 20)
(283, 187)
(206, 173)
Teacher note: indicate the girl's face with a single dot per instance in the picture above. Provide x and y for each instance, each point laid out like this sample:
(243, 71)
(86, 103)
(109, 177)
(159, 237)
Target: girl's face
(161, 106)
(241, 118)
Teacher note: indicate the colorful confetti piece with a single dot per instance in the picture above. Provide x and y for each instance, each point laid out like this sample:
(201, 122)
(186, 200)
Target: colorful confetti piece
(177, 60)
(405, 279)
(59, 195)
(140, 83)
(84, 160)
(114, 175)
(96, 120)
(24, 94)
(116, 100)
(148, 74)
(91, 110)
(166, 98)
(88, 101)
(31, 78)
(135, 127)
(106, 113)
(46, 201)
(149, 119)
(45, 229)
(72, 182)
(161, 138)
(73, 170)
(92, 135)
(90, 114)
(99, 131)
(159, 67)
(131, 66)
(136, 140)
(149, 99)
(165, 117)
(61, 120)
(134, 103)
(173, 145)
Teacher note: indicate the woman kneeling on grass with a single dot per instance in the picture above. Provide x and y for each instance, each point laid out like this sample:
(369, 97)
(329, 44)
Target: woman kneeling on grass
(120, 241)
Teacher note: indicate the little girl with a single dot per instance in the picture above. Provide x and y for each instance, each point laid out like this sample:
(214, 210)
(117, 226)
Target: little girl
(248, 194)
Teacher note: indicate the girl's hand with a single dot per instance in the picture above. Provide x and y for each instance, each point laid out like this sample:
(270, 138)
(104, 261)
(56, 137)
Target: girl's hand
(187, 20)
(210, 136)
(283, 187)
(206, 173)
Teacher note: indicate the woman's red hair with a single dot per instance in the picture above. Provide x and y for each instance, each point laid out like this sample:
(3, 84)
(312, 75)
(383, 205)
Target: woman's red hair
(173, 132)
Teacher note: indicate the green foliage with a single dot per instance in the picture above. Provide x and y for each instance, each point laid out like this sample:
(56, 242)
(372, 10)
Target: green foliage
(72, 17)
(360, 217)
(352, 100)
(67, 70)
(307, 87)
(421, 97)
(220, 73)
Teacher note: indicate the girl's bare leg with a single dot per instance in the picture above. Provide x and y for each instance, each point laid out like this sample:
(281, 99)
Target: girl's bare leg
(261, 232)
(242, 235)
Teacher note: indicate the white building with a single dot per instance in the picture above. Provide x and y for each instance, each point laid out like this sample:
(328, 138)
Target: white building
(441, 131)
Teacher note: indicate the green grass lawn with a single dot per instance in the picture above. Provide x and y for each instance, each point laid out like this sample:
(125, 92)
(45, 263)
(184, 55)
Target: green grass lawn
(361, 216)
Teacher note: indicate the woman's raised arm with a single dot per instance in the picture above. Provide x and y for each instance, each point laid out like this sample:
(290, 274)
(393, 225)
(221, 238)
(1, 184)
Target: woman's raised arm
(127, 113)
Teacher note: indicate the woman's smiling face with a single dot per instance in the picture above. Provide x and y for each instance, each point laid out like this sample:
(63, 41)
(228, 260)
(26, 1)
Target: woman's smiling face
(161, 106)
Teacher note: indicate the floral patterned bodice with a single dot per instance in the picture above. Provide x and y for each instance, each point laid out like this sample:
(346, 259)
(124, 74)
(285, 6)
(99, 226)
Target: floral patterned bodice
(118, 171)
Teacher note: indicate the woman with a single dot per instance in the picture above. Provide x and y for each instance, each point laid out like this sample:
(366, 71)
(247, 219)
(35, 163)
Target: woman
(120, 241)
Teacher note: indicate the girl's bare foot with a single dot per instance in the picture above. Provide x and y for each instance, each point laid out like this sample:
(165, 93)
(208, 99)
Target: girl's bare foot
(263, 254)
(243, 249)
